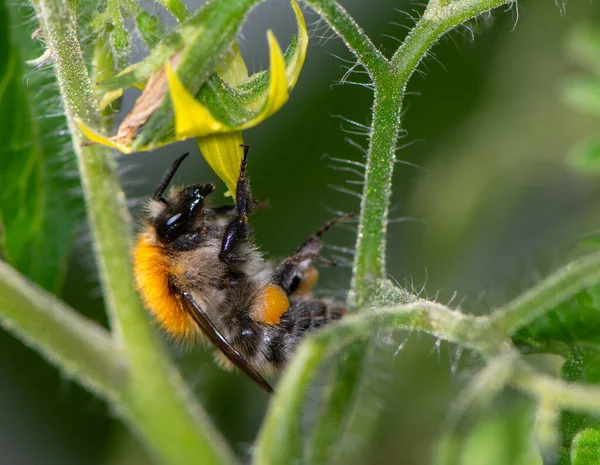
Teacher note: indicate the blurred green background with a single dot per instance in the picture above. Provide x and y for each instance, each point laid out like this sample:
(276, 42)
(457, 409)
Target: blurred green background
(484, 205)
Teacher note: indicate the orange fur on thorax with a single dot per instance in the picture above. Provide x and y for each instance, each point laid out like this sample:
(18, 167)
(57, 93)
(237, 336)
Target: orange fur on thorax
(152, 269)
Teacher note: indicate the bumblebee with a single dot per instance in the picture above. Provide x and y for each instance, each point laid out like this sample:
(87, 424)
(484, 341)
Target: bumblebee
(202, 276)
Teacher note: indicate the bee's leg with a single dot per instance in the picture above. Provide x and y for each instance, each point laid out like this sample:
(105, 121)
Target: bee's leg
(299, 258)
(230, 209)
(237, 229)
(313, 243)
(223, 210)
(297, 267)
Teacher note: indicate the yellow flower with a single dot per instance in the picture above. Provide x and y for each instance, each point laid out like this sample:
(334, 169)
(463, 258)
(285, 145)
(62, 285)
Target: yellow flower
(216, 126)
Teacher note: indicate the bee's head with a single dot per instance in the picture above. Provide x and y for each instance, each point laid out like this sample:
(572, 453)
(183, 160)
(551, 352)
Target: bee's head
(180, 214)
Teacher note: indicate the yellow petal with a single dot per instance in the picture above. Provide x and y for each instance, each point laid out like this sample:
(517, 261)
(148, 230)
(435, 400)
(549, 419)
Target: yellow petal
(278, 87)
(297, 60)
(192, 119)
(233, 69)
(224, 155)
(100, 139)
(109, 97)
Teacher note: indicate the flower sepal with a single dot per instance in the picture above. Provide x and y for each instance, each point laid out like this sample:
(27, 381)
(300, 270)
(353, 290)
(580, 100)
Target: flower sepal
(228, 102)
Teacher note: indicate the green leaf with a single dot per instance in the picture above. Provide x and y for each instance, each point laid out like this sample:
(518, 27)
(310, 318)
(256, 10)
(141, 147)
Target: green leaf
(38, 203)
(583, 94)
(583, 46)
(573, 323)
(120, 41)
(573, 331)
(592, 241)
(585, 157)
(110, 23)
(150, 28)
(586, 447)
(583, 366)
(502, 438)
(176, 8)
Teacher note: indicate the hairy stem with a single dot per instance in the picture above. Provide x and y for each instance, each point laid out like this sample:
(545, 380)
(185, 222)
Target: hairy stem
(439, 17)
(390, 85)
(570, 396)
(487, 335)
(565, 283)
(369, 259)
(340, 396)
(353, 36)
(283, 420)
(108, 216)
(153, 395)
(421, 316)
(280, 438)
(81, 348)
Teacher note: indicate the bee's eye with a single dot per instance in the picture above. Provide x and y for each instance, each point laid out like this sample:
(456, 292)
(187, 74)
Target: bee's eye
(181, 216)
(173, 219)
(169, 226)
(172, 225)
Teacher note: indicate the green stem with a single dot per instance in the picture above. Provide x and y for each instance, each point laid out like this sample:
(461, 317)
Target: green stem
(480, 334)
(390, 85)
(484, 387)
(570, 396)
(340, 395)
(439, 18)
(369, 262)
(476, 333)
(353, 36)
(547, 295)
(423, 316)
(488, 335)
(110, 221)
(283, 420)
(279, 442)
(80, 347)
(369, 259)
(153, 395)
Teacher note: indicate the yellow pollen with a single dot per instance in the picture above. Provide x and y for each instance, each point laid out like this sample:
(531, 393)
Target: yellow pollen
(271, 304)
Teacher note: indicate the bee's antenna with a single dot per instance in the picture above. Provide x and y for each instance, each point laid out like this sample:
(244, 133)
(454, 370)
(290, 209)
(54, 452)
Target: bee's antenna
(164, 183)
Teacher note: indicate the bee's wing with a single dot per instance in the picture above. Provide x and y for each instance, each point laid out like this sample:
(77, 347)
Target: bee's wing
(210, 330)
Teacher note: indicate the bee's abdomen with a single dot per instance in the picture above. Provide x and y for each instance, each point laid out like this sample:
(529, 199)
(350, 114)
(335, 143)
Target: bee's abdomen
(270, 346)
(303, 317)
